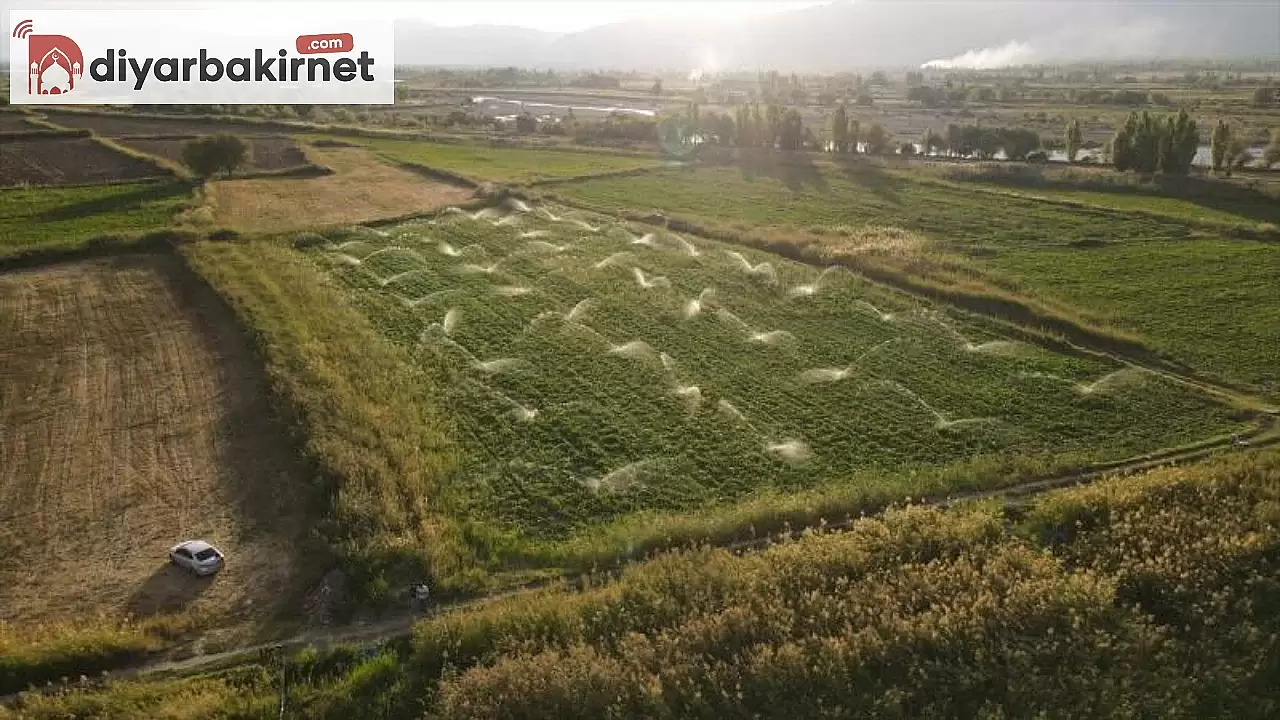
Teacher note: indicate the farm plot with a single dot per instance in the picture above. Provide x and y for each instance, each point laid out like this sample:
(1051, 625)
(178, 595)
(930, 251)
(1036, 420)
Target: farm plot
(134, 416)
(117, 126)
(515, 165)
(64, 217)
(266, 153)
(362, 188)
(67, 161)
(1127, 271)
(13, 122)
(595, 369)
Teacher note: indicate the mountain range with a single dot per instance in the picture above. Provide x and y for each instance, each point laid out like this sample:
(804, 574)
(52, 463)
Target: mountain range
(868, 33)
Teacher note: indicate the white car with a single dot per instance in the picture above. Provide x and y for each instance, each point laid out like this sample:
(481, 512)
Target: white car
(197, 556)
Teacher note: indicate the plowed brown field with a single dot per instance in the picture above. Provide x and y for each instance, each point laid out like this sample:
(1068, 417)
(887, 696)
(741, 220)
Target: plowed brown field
(133, 415)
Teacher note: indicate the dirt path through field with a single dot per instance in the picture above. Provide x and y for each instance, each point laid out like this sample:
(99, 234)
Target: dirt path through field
(133, 415)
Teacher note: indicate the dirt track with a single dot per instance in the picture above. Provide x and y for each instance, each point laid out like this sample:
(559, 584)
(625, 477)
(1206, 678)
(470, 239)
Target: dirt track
(133, 415)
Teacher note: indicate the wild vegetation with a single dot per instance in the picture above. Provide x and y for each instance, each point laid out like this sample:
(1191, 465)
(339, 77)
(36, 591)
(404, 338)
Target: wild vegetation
(1140, 596)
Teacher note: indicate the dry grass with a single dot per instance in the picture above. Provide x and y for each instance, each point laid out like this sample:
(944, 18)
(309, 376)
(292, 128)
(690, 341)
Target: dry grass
(362, 188)
(135, 417)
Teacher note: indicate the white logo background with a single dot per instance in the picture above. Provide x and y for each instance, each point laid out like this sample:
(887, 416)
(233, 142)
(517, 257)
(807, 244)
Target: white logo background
(227, 31)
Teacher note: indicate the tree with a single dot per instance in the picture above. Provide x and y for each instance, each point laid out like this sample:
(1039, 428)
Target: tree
(840, 130)
(955, 141)
(1272, 155)
(878, 139)
(1237, 155)
(1180, 144)
(773, 125)
(854, 134)
(526, 124)
(791, 130)
(401, 92)
(304, 111)
(1265, 96)
(207, 155)
(1146, 144)
(1074, 139)
(1137, 144)
(657, 87)
(1220, 144)
(1018, 142)
(907, 149)
(932, 142)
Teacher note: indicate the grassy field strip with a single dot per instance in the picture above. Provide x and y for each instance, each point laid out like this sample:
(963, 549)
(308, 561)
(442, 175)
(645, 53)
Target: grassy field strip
(1125, 206)
(62, 218)
(504, 164)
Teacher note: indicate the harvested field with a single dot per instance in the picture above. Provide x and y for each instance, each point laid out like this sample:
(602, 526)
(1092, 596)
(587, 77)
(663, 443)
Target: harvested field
(14, 122)
(116, 126)
(67, 161)
(266, 153)
(362, 188)
(134, 416)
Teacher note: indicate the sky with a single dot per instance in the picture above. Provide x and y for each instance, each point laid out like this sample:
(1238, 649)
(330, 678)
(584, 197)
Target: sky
(575, 15)
(559, 16)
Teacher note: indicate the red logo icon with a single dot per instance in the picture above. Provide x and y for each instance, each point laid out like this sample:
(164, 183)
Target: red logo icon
(54, 62)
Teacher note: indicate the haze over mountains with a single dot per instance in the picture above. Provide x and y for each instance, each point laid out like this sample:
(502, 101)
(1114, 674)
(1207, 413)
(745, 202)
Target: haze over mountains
(865, 33)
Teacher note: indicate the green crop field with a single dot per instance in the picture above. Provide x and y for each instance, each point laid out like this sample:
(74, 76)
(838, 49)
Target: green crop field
(499, 164)
(66, 217)
(593, 370)
(1130, 271)
(1175, 208)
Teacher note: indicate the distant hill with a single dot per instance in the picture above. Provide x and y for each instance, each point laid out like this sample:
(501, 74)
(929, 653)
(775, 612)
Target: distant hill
(862, 34)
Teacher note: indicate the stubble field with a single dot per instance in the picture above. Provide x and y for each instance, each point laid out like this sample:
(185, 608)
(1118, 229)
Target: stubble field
(135, 417)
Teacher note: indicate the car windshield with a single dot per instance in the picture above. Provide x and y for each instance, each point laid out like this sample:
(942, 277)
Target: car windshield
(206, 554)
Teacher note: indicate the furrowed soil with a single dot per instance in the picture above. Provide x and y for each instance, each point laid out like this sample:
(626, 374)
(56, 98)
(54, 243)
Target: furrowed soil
(133, 415)
(125, 126)
(13, 122)
(362, 188)
(63, 161)
(266, 153)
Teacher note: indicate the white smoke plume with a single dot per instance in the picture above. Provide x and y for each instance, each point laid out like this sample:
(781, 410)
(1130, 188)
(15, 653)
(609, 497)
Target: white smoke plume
(1010, 54)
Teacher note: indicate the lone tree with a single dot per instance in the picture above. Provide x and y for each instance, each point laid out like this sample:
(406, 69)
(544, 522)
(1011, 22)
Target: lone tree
(207, 155)
(1180, 143)
(840, 130)
(526, 124)
(932, 142)
(1074, 139)
(1272, 155)
(1220, 145)
(878, 140)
